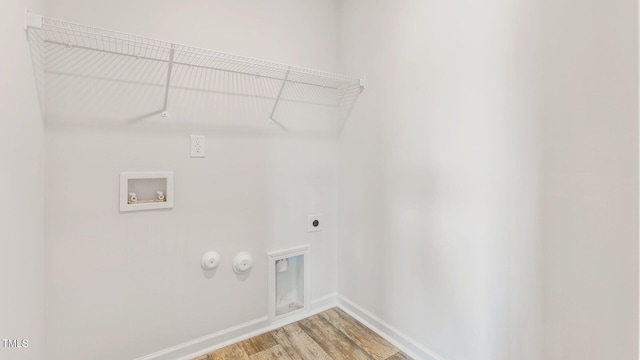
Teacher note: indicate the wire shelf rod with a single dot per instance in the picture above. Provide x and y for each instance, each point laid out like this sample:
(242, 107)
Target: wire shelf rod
(88, 32)
(62, 44)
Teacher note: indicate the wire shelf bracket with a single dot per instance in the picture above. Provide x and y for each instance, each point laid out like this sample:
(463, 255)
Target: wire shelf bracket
(165, 112)
(275, 105)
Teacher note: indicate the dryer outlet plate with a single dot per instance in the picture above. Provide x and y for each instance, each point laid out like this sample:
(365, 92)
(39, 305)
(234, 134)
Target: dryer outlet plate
(315, 223)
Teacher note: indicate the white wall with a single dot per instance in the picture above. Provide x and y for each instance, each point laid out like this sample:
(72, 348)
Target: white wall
(589, 175)
(487, 181)
(22, 181)
(125, 285)
(488, 176)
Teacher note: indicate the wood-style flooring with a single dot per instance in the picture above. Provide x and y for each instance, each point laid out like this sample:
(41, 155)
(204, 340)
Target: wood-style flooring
(332, 334)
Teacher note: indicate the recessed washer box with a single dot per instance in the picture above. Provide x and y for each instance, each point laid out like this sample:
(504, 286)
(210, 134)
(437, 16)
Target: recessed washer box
(146, 190)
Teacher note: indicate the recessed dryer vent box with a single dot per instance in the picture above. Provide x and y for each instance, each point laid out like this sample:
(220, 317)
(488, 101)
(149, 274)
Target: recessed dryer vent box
(146, 190)
(289, 282)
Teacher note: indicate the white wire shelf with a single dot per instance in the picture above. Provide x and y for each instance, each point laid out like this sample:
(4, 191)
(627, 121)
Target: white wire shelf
(66, 48)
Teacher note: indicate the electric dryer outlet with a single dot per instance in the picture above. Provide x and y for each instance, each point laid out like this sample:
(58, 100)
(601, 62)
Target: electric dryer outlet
(315, 223)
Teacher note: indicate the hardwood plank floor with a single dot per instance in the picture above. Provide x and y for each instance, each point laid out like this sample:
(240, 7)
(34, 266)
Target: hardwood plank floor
(330, 335)
(361, 335)
(298, 344)
(258, 344)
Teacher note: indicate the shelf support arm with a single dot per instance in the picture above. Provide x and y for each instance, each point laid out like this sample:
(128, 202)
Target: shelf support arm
(275, 105)
(165, 112)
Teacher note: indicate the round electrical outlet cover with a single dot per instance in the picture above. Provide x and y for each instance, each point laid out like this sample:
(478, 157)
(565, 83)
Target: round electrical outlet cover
(242, 263)
(210, 260)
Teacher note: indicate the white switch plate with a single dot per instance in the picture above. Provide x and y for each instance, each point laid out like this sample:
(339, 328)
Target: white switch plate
(197, 145)
(315, 223)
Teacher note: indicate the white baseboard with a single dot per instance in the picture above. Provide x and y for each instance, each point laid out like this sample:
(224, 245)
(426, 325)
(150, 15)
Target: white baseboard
(324, 303)
(208, 343)
(406, 344)
(204, 344)
(220, 339)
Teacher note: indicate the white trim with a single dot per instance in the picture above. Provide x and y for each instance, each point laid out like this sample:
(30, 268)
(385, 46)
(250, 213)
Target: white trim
(317, 306)
(406, 344)
(288, 251)
(208, 343)
(193, 348)
(324, 303)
